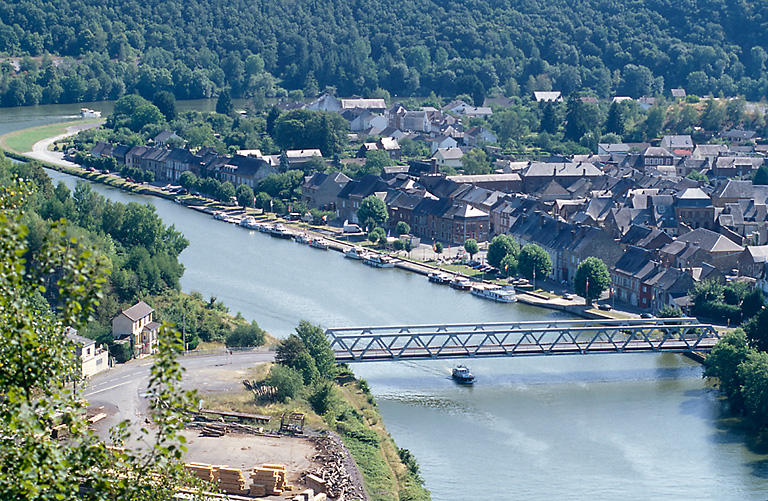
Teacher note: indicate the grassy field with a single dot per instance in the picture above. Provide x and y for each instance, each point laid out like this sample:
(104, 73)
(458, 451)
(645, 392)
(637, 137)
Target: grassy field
(21, 141)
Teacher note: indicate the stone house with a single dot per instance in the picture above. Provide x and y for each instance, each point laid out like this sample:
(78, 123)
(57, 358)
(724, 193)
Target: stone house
(136, 323)
(320, 190)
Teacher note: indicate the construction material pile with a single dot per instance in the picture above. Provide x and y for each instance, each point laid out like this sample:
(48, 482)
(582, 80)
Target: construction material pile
(231, 480)
(204, 472)
(334, 471)
(269, 480)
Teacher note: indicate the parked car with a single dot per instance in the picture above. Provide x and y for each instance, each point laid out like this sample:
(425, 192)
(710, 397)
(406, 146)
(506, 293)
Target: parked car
(646, 315)
(604, 307)
(569, 296)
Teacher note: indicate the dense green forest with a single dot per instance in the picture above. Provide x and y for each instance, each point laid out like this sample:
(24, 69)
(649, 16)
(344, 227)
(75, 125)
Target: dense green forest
(105, 48)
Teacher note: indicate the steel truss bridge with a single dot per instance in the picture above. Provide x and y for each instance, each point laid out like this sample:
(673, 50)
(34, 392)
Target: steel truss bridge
(512, 339)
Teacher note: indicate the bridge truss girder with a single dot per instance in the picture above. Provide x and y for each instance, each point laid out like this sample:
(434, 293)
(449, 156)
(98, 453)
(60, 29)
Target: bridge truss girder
(504, 339)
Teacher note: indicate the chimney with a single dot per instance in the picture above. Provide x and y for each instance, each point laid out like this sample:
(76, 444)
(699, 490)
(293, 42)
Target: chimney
(434, 166)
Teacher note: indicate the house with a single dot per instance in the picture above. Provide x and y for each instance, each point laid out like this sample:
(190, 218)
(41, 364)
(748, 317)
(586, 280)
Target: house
(752, 261)
(709, 152)
(645, 237)
(655, 156)
(179, 160)
(416, 121)
(320, 190)
(682, 142)
(154, 161)
(694, 208)
(441, 142)
(540, 174)
(677, 93)
(136, 323)
(133, 156)
(669, 287)
(629, 274)
(245, 170)
(93, 359)
(391, 146)
(449, 157)
(621, 99)
(476, 112)
(366, 120)
(548, 96)
(507, 183)
(747, 219)
(447, 221)
(728, 167)
(701, 246)
(296, 158)
(456, 106)
(165, 137)
(352, 194)
(326, 102)
(378, 106)
(102, 149)
(732, 191)
(119, 152)
(479, 135)
(738, 135)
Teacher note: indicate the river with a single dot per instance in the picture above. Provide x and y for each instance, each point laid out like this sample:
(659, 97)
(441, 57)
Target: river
(632, 427)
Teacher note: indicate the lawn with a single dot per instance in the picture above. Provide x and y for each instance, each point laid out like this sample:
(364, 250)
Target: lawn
(21, 141)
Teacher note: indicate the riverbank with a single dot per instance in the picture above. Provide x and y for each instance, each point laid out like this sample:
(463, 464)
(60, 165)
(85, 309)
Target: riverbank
(333, 236)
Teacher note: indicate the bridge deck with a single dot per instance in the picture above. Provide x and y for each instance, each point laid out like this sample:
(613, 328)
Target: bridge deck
(568, 337)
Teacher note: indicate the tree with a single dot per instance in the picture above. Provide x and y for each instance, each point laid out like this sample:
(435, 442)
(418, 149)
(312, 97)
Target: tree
(226, 192)
(166, 103)
(470, 245)
(319, 347)
(39, 367)
(311, 129)
(724, 360)
(754, 390)
(616, 122)
(757, 330)
(500, 247)
(289, 349)
(534, 262)
(549, 120)
(402, 228)
(244, 195)
(761, 175)
(247, 335)
(372, 207)
(581, 118)
(438, 247)
(670, 312)
(508, 265)
(377, 235)
(224, 102)
(591, 278)
(375, 161)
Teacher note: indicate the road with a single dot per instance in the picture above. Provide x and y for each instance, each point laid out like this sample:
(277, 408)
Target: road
(121, 389)
(41, 151)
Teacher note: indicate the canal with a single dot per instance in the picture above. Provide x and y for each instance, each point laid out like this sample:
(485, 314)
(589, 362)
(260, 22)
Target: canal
(630, 427)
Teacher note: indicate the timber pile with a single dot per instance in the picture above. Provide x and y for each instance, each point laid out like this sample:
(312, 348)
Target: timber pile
(213, 430)
(269, 480)
(333, 472)
(203, 471)
(231, 480)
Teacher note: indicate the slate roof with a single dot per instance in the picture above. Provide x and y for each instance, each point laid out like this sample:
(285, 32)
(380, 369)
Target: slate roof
(710, 241)
(138, 311)
(636, 262)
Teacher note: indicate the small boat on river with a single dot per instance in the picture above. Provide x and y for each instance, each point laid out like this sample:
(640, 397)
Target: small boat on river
(302, 239)
(379, 261)
(461, 284)
(357, 253)
(277, 230)
(439, 278)
(462, 375)
(319, 243)
(494, 293)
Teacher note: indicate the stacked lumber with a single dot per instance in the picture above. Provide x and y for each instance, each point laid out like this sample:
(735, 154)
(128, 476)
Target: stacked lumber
(231, 480)
(203, 471)
(270, 479)
(213, 430)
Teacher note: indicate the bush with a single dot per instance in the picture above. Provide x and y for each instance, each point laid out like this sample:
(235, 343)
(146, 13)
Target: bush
(121, 350)
(247, 335)
(288, 382)
(323, 398)
(438, 247)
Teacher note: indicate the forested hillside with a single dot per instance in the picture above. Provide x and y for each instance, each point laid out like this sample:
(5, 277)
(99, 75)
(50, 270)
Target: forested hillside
(407, 47)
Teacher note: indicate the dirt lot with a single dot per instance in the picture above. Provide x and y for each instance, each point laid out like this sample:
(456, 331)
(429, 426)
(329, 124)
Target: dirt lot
(248, 451)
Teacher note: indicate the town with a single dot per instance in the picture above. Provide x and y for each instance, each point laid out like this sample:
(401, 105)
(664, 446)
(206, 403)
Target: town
(663, 215)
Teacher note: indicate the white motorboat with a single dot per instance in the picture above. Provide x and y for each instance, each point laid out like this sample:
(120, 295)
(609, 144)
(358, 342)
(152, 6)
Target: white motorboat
(494, 293)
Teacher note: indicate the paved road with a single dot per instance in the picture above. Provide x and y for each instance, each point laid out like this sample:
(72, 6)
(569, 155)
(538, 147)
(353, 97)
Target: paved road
(121, 390)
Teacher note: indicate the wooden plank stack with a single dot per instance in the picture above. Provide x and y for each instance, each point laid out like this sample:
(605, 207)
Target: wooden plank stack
(269, 480)
(232, 480)
(204, 472)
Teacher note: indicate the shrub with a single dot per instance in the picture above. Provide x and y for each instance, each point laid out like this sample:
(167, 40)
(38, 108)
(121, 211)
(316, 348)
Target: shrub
(323, 398)
(288, 382)
(246, 336)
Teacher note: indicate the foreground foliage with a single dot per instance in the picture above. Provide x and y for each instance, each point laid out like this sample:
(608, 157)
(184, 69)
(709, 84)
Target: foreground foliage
(38, 367)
